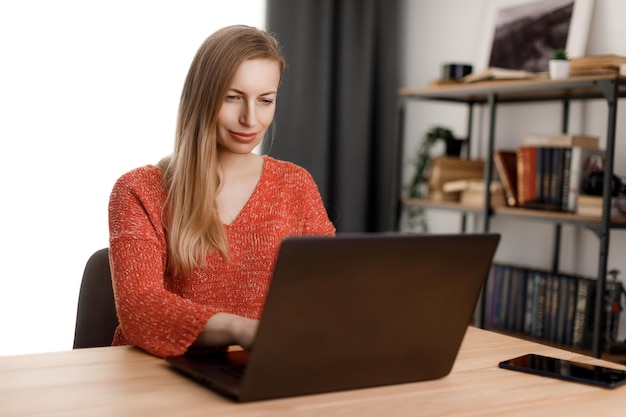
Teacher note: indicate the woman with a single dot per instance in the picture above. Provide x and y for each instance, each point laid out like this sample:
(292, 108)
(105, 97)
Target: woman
(193, 241)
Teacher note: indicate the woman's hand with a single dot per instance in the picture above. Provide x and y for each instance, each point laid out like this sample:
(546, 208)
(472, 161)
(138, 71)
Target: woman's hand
(224, 329)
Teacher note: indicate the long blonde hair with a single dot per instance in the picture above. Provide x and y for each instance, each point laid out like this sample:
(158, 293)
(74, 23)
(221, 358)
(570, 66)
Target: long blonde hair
(193, 226)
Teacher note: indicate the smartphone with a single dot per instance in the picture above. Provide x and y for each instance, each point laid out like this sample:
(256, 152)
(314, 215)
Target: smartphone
(567, 370)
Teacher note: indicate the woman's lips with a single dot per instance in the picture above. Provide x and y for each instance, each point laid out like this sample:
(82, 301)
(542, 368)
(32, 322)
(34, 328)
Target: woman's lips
(244, 137)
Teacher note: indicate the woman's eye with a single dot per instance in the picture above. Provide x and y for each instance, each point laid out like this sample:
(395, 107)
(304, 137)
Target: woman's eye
(233, 98)
(267, 101)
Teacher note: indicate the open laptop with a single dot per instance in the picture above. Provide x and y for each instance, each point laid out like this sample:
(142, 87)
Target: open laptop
(355, 311)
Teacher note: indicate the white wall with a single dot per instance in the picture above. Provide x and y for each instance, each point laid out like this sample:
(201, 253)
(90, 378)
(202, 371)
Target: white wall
(443, 31)
(88, 90)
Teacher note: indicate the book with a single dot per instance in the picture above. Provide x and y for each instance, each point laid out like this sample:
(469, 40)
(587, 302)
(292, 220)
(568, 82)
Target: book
(572, 286)
(477, 198)
(581, 318)
(590, 64)
(472, 184)
(472, 192)
(526, 158)
(556, 177)
(560, 140)
(567, 159)
(540, 286)
(446, 168)
(495, 73)
(440, 195)
(505, 162)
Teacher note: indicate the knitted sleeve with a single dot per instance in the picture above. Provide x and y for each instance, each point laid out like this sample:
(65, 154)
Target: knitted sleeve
(150, 316)
(313, 210)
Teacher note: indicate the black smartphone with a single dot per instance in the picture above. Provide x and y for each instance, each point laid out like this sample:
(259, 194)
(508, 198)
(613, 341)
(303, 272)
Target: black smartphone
(567, 370)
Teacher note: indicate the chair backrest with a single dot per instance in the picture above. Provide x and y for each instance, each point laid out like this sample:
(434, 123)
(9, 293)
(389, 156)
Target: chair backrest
(96, 318)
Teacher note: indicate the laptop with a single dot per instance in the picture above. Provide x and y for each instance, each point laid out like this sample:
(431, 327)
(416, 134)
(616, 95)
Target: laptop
(355, 311)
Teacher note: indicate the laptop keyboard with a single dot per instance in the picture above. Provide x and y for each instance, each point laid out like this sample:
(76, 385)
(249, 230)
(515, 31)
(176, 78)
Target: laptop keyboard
(234, 370)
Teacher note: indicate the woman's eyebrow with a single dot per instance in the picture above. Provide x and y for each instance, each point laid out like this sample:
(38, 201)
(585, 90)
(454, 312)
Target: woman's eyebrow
(236, 90)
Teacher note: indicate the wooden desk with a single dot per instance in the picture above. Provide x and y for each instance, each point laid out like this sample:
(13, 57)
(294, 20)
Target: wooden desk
(125, 381)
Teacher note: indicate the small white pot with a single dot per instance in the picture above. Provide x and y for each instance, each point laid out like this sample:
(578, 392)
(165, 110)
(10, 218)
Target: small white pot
(559, 68)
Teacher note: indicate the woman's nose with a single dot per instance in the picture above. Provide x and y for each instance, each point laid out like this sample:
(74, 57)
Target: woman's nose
(248, 115)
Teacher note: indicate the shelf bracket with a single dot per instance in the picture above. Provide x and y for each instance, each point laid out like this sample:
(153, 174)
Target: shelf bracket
(608, 89)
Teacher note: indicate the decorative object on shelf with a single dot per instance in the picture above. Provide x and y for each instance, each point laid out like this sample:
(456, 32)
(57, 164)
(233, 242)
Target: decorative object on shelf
(533, 29)
(559, 65)
(418, 187)
(455, 72)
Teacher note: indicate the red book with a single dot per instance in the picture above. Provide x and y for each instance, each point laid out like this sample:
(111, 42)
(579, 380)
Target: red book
(526, 174)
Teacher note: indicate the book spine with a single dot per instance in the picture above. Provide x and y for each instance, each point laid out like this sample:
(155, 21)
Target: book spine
(556, 181)
(541, 305)
(571, 308)
(539, 170)
(531, 303)
(567, 156)
(505, 163)
(579, 314)
(526, 162)
(562, 305)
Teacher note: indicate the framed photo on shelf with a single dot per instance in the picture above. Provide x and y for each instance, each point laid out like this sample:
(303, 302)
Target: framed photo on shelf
(523, 34)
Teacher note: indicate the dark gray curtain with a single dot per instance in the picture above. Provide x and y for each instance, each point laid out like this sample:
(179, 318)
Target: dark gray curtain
(336, 113)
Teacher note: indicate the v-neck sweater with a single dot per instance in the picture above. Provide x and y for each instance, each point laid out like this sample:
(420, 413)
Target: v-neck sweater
(164, 315)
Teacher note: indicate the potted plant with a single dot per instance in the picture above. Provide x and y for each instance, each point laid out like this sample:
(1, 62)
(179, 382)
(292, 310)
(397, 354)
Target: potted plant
(559, 65)
(418, 186)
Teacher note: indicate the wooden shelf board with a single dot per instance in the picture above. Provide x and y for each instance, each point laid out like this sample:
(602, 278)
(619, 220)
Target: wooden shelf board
(541, 215)
(537, 89)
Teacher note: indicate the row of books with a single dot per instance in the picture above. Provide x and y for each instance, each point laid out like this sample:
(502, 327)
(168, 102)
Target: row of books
(558, 308)
(548, 171)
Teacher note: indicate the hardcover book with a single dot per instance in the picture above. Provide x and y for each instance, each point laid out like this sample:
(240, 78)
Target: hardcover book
(446, 169)
(526, 174)
(606, 63)
(505, 162)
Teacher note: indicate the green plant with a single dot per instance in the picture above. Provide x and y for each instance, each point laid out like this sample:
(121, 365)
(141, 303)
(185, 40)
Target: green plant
(560, 54)
(417, 186)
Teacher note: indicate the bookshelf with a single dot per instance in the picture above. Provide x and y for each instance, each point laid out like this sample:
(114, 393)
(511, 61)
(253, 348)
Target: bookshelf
(607, 87)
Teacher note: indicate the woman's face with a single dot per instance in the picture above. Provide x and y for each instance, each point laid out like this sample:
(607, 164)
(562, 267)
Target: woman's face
(248, 109)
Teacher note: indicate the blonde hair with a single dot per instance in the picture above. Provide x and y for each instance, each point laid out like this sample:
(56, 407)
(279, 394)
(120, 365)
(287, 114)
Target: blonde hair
(193, 226)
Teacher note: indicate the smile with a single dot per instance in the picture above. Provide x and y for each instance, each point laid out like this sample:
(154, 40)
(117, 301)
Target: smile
(244, 137)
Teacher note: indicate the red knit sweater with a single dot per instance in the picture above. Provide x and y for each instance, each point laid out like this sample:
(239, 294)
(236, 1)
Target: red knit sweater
(164, 315)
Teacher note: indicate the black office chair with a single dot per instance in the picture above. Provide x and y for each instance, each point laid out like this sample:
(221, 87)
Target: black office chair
(96, 318)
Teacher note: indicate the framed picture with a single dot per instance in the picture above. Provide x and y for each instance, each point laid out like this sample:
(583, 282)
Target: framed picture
(523, 34)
